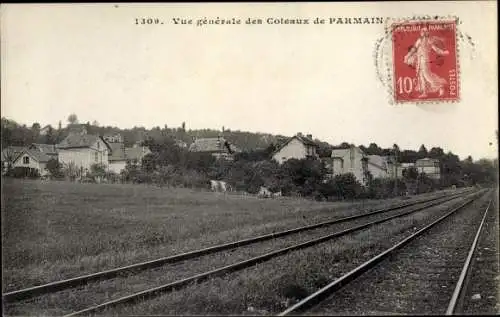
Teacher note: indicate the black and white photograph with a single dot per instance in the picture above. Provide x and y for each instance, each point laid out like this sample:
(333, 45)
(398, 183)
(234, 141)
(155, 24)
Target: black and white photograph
(257, 159)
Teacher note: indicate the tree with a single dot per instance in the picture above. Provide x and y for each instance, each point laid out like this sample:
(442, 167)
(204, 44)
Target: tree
(374, 149)
(436, 153)
(55, 168)
(71, 171)
(35, 128)
(410, 173)
(72, 119)
(422, 152)
(9, 154)
(410, 176)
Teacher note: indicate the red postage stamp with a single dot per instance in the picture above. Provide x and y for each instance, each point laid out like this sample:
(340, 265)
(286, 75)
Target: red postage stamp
(425, 63)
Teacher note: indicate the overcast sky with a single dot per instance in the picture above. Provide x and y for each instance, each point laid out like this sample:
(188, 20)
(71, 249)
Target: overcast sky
(93, 60)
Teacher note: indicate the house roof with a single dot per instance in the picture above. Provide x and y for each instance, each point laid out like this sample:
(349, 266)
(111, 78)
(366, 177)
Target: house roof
(339, 153)
(36, 154)
(427, 159)
(117, 152)
(426, 162)
(304, 140)
(135, 153)
(211, 145)
(45, 148)
(11, 152)
(79, 141)
(377, 160)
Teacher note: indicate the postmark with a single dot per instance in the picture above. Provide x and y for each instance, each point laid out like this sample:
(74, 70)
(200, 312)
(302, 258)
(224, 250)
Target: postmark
(425, 64)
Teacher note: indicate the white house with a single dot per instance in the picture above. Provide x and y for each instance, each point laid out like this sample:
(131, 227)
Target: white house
(378, 166)
(33, 158)
(116, 157)
(429, 166)
(351, 160)
(83, 150)
(296, 147)
(120, 155)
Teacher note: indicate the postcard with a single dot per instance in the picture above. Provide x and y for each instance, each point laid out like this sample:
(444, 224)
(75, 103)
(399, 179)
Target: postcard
(250, 158)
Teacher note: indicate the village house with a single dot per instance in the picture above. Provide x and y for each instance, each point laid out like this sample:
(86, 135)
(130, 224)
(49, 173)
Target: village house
(116, 157)
(45, 130)
(429, 166)
(219, 147)
(120, 155)
(33, 158)
(113, 138)
(83, 150)
(354, 160)
(351, 160)
(47, 149)
(296, 147)
(378, 166)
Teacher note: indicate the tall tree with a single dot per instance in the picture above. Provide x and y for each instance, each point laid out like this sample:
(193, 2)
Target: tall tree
(72, 119)
(422, 152)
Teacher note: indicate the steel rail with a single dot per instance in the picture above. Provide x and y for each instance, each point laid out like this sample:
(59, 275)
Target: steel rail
(334, 286)
(149, 293)
(108, 274)
(466, 268)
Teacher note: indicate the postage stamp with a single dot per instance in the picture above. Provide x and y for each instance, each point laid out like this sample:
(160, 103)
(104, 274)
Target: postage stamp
(424, 61)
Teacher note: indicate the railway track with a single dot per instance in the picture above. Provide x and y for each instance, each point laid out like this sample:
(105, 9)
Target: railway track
(52, 287)
(357, 291)
(134, 268)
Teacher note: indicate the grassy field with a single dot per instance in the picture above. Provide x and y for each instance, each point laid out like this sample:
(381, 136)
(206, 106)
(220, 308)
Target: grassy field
(272, 286)
(55, 230)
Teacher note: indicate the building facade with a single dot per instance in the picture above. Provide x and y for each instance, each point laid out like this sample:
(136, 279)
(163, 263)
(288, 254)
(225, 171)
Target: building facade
(83, 150)
(33, 158)
(351, 160)
(297, 147)
(431, 167)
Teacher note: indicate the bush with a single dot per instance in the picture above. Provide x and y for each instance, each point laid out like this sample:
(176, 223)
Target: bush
(55, 168)
(21, 172)
(381, 188)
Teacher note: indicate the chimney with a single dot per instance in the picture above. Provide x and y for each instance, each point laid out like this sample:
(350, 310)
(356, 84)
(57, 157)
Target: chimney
(309, 136)
(299, 133)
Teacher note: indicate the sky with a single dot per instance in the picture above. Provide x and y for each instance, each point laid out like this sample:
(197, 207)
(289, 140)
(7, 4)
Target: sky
(321, 79)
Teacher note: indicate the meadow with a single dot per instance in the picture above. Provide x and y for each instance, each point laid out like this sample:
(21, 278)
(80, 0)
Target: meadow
(56, 230)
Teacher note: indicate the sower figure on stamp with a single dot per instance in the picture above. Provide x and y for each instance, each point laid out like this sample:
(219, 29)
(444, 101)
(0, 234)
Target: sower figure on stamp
(419, 56)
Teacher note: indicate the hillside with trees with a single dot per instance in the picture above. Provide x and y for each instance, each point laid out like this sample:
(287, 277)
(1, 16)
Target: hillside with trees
(171, 165)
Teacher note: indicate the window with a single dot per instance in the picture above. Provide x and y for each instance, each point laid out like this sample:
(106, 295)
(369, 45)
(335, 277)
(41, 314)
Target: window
(98, 145)
(96, 155)
(26, 160)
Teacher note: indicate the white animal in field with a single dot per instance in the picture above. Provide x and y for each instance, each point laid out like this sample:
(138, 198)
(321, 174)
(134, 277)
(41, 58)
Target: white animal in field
(219, 186)
(277, 194)
(264, 192)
